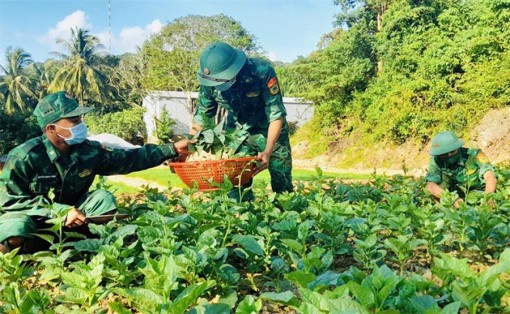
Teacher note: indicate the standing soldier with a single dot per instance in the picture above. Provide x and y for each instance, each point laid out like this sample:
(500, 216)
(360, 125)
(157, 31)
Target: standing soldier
(453, 167)
(249, 91)
(54, 172)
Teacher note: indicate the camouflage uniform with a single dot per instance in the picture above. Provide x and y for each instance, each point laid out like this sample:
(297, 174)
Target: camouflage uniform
(253, 103)
(467, 172)
(35, 170)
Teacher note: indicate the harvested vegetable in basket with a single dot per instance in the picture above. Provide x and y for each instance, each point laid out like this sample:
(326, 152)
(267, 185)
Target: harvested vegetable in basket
(215, 143)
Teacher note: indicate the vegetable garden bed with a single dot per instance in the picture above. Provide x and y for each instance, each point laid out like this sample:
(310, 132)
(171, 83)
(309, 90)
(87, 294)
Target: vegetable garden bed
(329, 247)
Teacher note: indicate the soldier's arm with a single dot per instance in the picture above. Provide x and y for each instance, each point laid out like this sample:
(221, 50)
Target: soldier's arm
(273, 133)
(15, 191)
(490, 182)
(272, 96)
(207, 108)
(119, 161)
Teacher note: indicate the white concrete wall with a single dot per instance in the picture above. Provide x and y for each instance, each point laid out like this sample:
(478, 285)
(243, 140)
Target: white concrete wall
(176, 104)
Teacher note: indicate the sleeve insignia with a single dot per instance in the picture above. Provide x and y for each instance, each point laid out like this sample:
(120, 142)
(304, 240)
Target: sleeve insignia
(85, 173)
(482, 158)
(274, 89)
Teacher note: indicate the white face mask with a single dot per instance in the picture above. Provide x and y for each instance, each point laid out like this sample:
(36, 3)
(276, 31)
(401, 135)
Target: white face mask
(78, 133)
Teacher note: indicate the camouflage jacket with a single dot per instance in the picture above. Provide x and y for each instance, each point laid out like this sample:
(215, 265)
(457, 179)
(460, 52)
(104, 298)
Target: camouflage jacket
(254, 101)
(467, 172)
(35, 173)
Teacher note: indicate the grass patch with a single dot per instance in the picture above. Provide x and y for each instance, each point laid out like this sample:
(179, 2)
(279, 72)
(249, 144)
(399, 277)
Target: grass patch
(117, 188)
(162, 176)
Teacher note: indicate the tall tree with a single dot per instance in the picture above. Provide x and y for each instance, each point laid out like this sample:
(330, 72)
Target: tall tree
(80, 74)
(15, 85)
(171, 57)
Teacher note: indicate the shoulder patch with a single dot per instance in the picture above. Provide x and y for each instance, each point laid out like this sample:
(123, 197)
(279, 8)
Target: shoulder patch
(274, 89)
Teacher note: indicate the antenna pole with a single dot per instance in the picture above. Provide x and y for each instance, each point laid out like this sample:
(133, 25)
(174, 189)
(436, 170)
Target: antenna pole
(109, 27)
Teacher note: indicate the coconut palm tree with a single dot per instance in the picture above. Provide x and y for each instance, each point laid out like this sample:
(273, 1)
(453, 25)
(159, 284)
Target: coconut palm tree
(80, 74)
(15, 85)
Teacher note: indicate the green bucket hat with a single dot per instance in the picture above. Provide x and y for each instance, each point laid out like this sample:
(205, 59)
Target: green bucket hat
(57, 106)
(219, 64)
(445, 142)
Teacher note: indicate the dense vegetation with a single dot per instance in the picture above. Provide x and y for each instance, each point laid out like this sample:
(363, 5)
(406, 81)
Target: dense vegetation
(380, 247)
(401, 70)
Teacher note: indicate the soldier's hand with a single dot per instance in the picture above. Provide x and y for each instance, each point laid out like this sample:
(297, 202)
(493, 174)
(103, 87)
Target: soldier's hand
(458, 202)
(490, 202)
(264, 157)
(75, 218)
(181, 147)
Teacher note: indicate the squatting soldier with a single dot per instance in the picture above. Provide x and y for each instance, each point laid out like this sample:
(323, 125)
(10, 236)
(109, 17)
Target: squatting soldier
(454, 167)
(58, 168)
(248, 89)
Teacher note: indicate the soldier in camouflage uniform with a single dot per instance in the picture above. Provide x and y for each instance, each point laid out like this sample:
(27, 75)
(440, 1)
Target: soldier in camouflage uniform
(54, 172)
(248, 89)
(454, 168)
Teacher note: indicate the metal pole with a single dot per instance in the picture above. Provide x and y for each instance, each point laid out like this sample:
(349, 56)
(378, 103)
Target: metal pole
(109, 28)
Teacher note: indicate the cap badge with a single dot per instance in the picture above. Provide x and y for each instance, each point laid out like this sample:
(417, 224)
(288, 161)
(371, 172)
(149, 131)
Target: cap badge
(206, 71)
(436, 145)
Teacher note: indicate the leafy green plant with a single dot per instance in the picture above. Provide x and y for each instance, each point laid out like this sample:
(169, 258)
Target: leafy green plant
(218, 141)
(369, 251)
(402, 247)
(83, 285)
(476, 291)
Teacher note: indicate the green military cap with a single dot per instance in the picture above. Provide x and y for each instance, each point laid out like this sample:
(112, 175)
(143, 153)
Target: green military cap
(57, 106)
(219, 64)
(445, 142)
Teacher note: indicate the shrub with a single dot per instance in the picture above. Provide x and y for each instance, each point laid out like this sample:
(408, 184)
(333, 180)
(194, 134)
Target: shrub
(164, 127)
(127, 124)
(16, 129)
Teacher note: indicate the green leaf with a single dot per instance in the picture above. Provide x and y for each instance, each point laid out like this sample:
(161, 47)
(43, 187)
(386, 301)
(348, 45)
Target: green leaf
(452, 308)
(314, 298)
(88, 245)
(217, 308)
(75, 295)
(293, 245)
(249, 243)
(362, 293)
(249, 306)
(144, 299)
(189, 296)
(300, 278)
(208, 136)
(286, 297)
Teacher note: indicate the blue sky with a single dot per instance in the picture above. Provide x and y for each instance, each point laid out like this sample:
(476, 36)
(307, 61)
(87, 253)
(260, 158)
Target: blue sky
(285, 29)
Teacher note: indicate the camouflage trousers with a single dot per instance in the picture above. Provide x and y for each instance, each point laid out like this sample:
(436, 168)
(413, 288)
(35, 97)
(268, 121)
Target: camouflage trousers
(280, 163)
(26, 225)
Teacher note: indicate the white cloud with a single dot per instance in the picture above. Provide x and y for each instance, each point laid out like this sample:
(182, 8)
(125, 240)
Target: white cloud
(62, 30)
(127, 40)
(132, 37)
